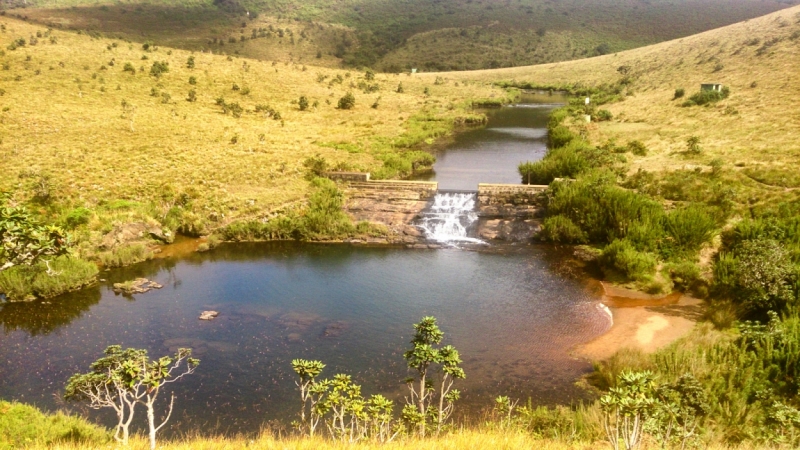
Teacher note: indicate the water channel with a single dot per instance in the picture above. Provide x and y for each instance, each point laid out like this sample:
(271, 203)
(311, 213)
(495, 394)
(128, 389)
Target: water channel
(513, 318)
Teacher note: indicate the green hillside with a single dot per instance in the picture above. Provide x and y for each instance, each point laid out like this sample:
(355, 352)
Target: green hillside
(400, 34)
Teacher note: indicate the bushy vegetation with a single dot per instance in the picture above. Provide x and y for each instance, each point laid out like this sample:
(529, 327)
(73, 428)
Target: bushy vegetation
(23, 426)
(321, 218)
(707, 96)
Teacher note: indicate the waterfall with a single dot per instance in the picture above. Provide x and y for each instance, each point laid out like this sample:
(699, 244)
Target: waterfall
(450, 217)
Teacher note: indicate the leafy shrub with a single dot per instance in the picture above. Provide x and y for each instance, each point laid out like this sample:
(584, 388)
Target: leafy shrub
(637, 148)
(693, 145)
(193, 80)
(316, 165)
(561, 229)
(559, 136)
(77, 217)
(190, 62)
(620, 257)
(679, 93)
(159, 68)
(707, 96)
(302, 103)
(684, 274)
(129, 68)
(603, 115)
(192, 97)
(347, 102)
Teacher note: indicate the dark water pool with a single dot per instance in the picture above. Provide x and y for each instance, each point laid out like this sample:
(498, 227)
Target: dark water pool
(512, 318)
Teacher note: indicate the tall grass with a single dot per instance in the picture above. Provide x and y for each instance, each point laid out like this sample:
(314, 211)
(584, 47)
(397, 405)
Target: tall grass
(125, 255)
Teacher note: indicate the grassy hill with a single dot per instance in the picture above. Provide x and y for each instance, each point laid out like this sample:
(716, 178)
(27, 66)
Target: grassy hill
(96, 132)
(400, 34)
(755, 131)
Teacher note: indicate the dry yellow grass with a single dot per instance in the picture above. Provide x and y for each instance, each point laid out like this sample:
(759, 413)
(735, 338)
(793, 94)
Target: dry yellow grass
(459, 440)
(63, 117)
(759, 124)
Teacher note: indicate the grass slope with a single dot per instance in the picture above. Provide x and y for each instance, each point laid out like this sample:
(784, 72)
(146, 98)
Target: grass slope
(754, 131)
(63, 120)
(400, 34)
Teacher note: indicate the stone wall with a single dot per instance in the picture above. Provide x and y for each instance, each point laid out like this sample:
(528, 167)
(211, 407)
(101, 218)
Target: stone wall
(510, 194)
(348, 176)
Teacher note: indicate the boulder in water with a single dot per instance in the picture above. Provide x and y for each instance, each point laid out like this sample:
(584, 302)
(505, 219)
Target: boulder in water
(208, 315)
(137, 286)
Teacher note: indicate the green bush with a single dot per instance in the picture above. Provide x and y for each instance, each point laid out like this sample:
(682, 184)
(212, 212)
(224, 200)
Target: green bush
(684, 274)
(679, 93)
(637, 148)
(302, 103)
(559, 136)
(621, 258)
(77, 217)
(159, 68)
(64, 274)
(23, 425)
(603, 115)
(348, 101)
(689, 228)
(561, 230)
(707, 96)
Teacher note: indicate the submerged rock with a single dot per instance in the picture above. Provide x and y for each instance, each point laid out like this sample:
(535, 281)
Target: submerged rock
(137, 286)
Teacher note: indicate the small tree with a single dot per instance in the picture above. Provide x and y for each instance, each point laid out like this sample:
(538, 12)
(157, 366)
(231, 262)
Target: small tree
(190, 63)
(302, 103)
(311, 392)
(347, 102)
(426, 403)
(23, 240)
(124, 378)
(693, 145)
(627, 407)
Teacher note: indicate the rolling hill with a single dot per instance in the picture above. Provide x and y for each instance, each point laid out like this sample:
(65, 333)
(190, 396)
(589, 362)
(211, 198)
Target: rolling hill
(398, 35)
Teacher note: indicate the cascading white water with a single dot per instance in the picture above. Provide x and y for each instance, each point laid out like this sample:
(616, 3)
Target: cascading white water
(449, 218)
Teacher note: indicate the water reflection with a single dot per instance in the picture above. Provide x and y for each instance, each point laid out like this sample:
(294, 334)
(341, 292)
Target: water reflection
(45, 316)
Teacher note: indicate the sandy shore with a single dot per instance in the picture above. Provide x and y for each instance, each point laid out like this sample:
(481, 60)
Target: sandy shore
(642, 322)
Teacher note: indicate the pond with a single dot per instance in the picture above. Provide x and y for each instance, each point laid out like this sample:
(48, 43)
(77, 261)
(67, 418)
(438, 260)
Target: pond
(510, 314)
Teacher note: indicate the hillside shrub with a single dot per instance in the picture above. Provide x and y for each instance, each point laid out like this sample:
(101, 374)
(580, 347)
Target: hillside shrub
(689, 228)
(561, 230)
(685, 274)
(603, 115)
(192, 80)
(190, 62)
(77, 217)
(348, 101)
(159, 68)
(705, 97)
(679, 93)
(302, 103)
(637, 148)
(621, 258)
(192, 97)
(606, 212)
(128, 67)
(559, 136)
